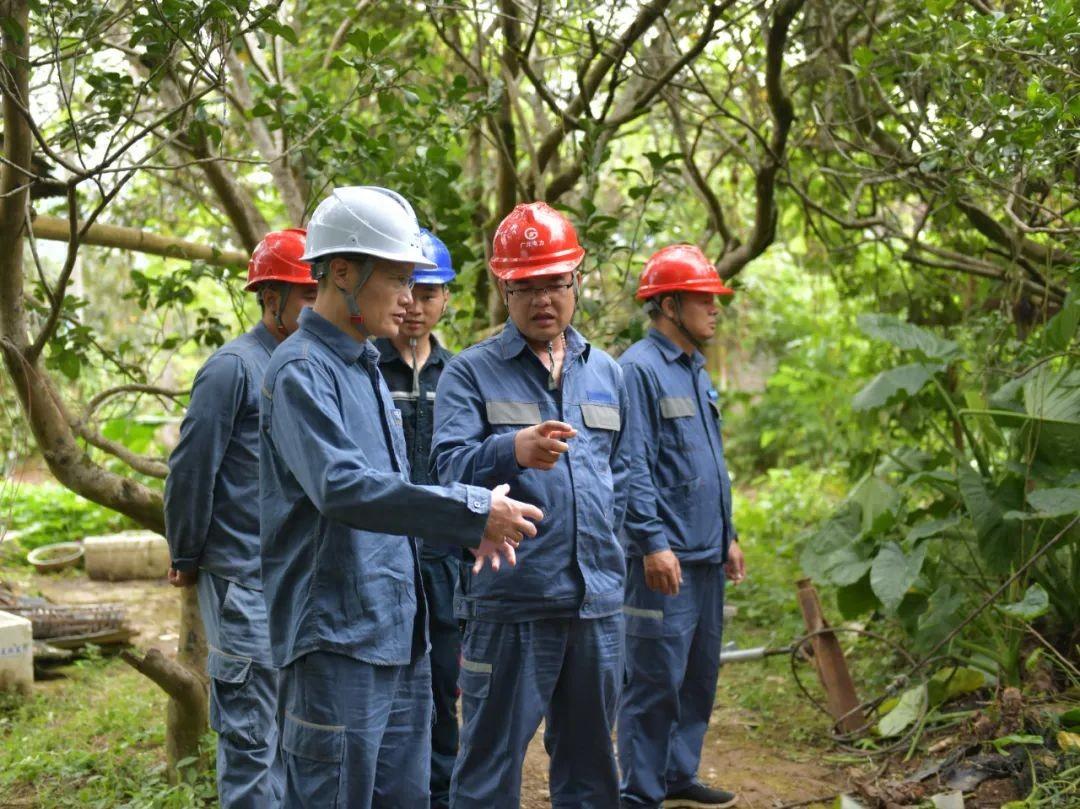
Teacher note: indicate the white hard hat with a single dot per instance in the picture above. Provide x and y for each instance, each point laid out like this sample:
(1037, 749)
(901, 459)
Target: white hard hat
(365, 219)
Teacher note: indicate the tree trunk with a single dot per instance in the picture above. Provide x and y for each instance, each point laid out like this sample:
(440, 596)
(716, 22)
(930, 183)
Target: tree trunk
(45, 411)
(185, 681)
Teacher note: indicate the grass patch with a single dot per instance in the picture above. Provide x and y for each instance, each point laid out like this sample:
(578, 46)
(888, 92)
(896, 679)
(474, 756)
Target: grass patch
(36, 514)
(95, 739)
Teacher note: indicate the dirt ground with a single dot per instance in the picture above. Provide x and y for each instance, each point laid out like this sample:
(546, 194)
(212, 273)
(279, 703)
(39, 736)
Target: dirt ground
(764, 777)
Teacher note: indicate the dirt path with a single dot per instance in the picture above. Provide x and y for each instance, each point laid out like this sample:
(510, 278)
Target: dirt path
(764, 776)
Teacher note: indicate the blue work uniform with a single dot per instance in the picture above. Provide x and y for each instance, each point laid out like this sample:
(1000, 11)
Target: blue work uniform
(542, 640)
(212, 526)
(440, 565)
(348, 624)
(680, 499)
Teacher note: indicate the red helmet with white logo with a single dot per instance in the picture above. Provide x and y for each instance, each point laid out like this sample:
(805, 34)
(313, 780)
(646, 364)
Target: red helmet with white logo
(679, 268)
(534, 240)
(277, 258)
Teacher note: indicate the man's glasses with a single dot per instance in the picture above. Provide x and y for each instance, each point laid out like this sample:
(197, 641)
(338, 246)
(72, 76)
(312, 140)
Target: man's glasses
(532, 293)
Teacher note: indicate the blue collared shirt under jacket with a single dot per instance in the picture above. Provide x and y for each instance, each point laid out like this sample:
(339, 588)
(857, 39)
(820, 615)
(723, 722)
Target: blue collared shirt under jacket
(340, 566)
(212, 491)
(575, 566)
(680, 491)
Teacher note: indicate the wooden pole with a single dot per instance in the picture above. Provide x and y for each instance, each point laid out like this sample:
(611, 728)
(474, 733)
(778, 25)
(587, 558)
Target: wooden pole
(829, 660)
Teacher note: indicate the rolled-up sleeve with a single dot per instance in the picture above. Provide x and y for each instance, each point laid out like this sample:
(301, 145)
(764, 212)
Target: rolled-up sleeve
(462, 450)
(643, 528)
(216, 397)
(311, 439)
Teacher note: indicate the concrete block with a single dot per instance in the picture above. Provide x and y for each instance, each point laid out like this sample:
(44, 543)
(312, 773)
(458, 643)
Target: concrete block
(127, 555)
(16, 654)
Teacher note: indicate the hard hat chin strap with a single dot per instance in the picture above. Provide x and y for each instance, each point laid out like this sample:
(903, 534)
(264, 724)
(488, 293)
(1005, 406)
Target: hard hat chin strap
(678, 321)
(283, 291)
(367, 267)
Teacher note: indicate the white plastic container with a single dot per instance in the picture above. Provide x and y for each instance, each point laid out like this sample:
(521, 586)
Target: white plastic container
(16, 654)
(127, 555)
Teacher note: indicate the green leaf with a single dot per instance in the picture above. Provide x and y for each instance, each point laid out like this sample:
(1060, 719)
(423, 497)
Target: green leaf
(855, 600)
(1016, 738)
(988, 516)
(931, 528)
(1061, 328)
(1055, 502)
(893, 573)
(273, 26)
(942, 611)
(833, 553)
(1034, 604)
(1071, 719)
(906, 712)
(879, 503)
(1052, 398)
(887, 386)
(907, 336)
(954, 681)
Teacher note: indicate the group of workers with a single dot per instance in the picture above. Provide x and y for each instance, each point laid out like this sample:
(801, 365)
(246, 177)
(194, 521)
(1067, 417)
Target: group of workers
(376, 526)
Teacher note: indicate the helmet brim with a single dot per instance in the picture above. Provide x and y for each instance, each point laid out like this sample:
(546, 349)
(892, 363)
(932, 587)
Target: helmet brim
(716, 287)
(520, 273)
(416, 258)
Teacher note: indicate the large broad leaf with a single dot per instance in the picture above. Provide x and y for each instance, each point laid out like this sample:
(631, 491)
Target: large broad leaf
(834, 553)
(1034, 604)
(879, 502)
(907, 336)
(1061, 328)
(856, 599)
(955, 681)
(942, 613)
(888, 386)
(993, 532)
(1052, 400)
(907, 710)
(1055, 502)
(893, 572)
(931, 528)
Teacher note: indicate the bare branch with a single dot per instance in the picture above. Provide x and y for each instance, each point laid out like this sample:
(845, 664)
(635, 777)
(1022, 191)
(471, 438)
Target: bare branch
(783, 113)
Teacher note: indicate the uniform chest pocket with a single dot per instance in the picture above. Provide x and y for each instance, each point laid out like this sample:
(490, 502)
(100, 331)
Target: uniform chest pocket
(676, 413)
(518, 414)
(601, 416)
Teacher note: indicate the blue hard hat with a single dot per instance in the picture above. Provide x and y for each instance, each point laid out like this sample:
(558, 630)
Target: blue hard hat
(434, 250)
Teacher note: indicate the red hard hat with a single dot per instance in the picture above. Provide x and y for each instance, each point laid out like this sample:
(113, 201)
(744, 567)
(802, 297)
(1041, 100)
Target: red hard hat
(534, 239)
(679, 268)
(277, 258)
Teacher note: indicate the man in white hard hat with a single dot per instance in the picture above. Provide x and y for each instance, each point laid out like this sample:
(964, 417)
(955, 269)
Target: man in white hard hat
(341, 573)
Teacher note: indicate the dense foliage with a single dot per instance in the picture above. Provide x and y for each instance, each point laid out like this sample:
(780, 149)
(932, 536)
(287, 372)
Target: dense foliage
(891, 187)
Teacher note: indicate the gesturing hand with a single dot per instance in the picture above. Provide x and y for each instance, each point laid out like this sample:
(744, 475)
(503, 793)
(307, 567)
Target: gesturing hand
(509, 521)
(539, 446)
(663, 573)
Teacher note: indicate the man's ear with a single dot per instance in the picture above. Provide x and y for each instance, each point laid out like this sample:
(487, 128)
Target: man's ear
(271, 299)
(339, 271)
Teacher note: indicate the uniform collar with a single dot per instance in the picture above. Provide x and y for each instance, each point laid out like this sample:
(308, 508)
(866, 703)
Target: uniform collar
(512, 342)
(264, 336)
(388, 351)
(671, 352)
(335, 339)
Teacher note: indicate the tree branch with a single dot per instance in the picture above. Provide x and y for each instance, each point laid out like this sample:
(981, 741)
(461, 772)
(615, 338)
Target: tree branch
(783, 114)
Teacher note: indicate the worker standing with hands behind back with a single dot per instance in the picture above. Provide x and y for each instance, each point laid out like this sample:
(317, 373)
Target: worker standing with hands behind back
(680, 538)
(212, 526)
